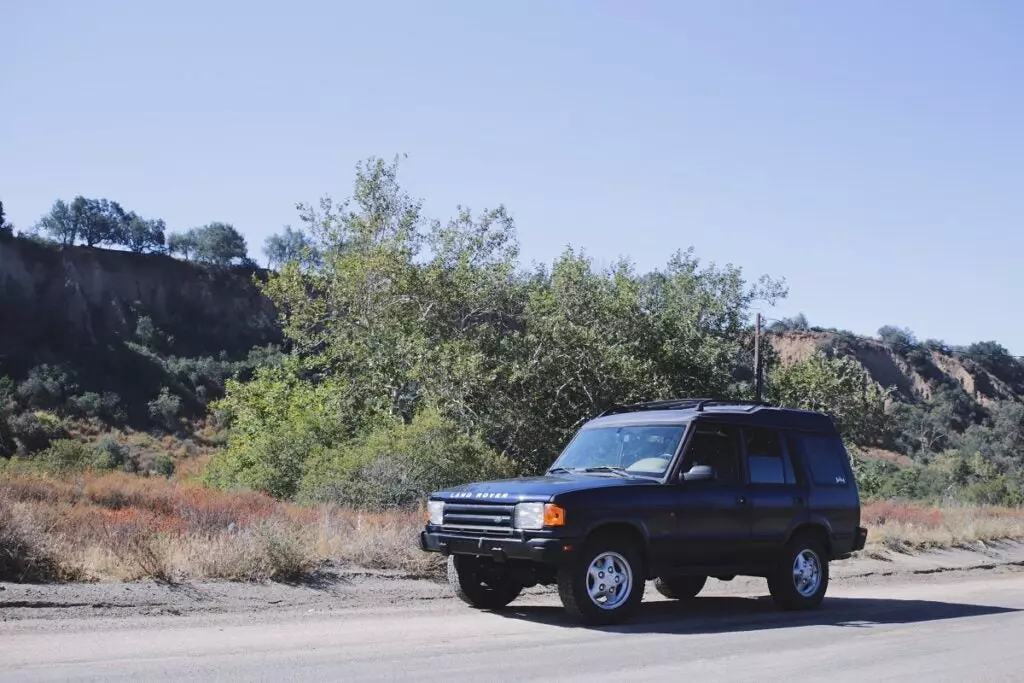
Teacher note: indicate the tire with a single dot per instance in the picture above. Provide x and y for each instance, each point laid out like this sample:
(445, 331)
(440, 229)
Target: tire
(476, 586)
(680, 587)
(579, 582)
(800, 586)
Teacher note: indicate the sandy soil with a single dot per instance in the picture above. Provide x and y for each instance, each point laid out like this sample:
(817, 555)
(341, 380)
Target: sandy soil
(338, 588)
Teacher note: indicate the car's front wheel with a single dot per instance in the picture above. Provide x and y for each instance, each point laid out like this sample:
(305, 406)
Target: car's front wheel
(604, 583)
(800, 578)
(479, 584)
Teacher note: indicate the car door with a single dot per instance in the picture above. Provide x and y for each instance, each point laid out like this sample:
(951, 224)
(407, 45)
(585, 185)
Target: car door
(713, 515)
(775, 490)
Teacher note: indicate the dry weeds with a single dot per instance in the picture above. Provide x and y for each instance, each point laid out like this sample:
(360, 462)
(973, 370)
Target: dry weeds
(125, 527)
(910, 527)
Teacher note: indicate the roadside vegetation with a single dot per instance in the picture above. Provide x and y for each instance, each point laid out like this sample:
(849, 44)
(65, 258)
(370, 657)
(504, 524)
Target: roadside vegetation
(115, 526)
(418, 353)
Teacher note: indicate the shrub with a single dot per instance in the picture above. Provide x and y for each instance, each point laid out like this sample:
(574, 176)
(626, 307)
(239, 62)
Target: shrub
(66, 456)
(899, 339)
(8, 392)
(91, 404)
(273, 463)
(34, 431)
(148, 334)
(397, 465)
(46, 387)
(135, 539)
(165, 409)
(24, 554)
(7, 443)
(281, 554)
(111, 455)
(164, 465)
(992, 492)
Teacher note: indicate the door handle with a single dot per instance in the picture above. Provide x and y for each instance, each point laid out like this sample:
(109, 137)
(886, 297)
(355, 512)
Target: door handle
(742, 500)
(799, 500)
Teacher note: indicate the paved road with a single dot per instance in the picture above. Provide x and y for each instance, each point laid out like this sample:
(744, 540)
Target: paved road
(970, 629)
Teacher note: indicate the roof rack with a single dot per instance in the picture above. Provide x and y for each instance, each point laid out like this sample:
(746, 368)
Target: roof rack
(697, 404)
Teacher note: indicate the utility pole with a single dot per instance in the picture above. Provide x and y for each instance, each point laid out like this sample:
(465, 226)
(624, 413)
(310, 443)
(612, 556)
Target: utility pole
(757, 358)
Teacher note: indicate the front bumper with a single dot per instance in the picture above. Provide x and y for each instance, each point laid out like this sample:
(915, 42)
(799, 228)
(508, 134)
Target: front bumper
(548, 550)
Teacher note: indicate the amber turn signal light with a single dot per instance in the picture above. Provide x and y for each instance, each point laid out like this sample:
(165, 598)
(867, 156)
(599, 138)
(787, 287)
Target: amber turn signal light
(554, 515)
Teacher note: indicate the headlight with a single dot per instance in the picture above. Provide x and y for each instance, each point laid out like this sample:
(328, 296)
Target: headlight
(538, 515)
(529, 516)
(435, 512)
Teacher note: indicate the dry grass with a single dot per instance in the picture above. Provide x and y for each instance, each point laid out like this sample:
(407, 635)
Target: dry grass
(910, 527)
(26, 551)
(125, 527)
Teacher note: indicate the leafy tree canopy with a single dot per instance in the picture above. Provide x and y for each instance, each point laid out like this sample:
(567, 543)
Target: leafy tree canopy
(400, 313)
(216, 243)
(96, 222)
(290, 245)
(839, 387)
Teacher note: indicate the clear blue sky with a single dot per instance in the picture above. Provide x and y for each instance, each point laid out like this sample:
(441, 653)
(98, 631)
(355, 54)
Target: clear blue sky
(869, 152)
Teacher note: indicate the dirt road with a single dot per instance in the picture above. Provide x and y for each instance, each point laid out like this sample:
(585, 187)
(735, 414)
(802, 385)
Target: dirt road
(949, 626)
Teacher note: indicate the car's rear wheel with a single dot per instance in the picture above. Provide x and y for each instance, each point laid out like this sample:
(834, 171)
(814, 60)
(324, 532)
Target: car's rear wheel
(604, 583)
(680, 587)
(801, 576)
(480, 584)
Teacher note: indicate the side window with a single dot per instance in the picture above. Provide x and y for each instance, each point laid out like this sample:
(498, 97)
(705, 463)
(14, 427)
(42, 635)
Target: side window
(767, 457)
(718, 447)
(825, 457)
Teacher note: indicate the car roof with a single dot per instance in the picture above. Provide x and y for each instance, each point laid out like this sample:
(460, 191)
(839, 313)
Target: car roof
(744, 415)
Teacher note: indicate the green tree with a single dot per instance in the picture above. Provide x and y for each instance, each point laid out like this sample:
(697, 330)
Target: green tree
(996, 359)
(5, 227)
(398, 464)
(97, 221)
(290, 245)
(900, 339)
(837, 386)
(93, 221)
(797, 322)
(141, 234)
(183, 243)
(401, 313)
(59, 223)
(220, 244)
(165, 409)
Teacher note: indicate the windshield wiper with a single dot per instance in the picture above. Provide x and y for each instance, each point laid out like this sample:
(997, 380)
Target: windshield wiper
(561, 470)
(620, 471)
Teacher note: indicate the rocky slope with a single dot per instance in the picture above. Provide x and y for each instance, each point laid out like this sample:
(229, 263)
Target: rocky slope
(57, 303)
(914, 376)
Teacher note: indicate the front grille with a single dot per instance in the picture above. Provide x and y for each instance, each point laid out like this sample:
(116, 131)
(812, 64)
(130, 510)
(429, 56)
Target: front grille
(487, 518)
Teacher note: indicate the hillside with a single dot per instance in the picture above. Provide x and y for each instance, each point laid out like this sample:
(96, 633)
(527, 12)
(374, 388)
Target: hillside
(953, 426)
(59, 302)
(913, 375)
(420, 354)
(129, 339)
(423, 352)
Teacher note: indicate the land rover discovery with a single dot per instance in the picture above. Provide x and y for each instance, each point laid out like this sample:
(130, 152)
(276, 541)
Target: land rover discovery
(671, 491)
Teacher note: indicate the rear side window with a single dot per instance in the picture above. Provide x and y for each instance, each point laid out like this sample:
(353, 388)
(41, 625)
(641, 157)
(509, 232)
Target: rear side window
(825, 457)
(767, 459)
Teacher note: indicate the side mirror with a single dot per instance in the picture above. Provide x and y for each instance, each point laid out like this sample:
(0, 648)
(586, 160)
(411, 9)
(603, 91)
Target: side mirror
(699, 473)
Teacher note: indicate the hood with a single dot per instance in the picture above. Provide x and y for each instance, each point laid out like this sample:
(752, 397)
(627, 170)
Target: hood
(534, 488)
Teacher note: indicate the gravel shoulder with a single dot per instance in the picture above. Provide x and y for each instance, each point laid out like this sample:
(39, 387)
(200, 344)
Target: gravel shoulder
(336, 589)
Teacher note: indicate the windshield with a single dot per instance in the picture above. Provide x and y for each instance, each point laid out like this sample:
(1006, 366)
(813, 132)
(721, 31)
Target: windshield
(636, 449)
